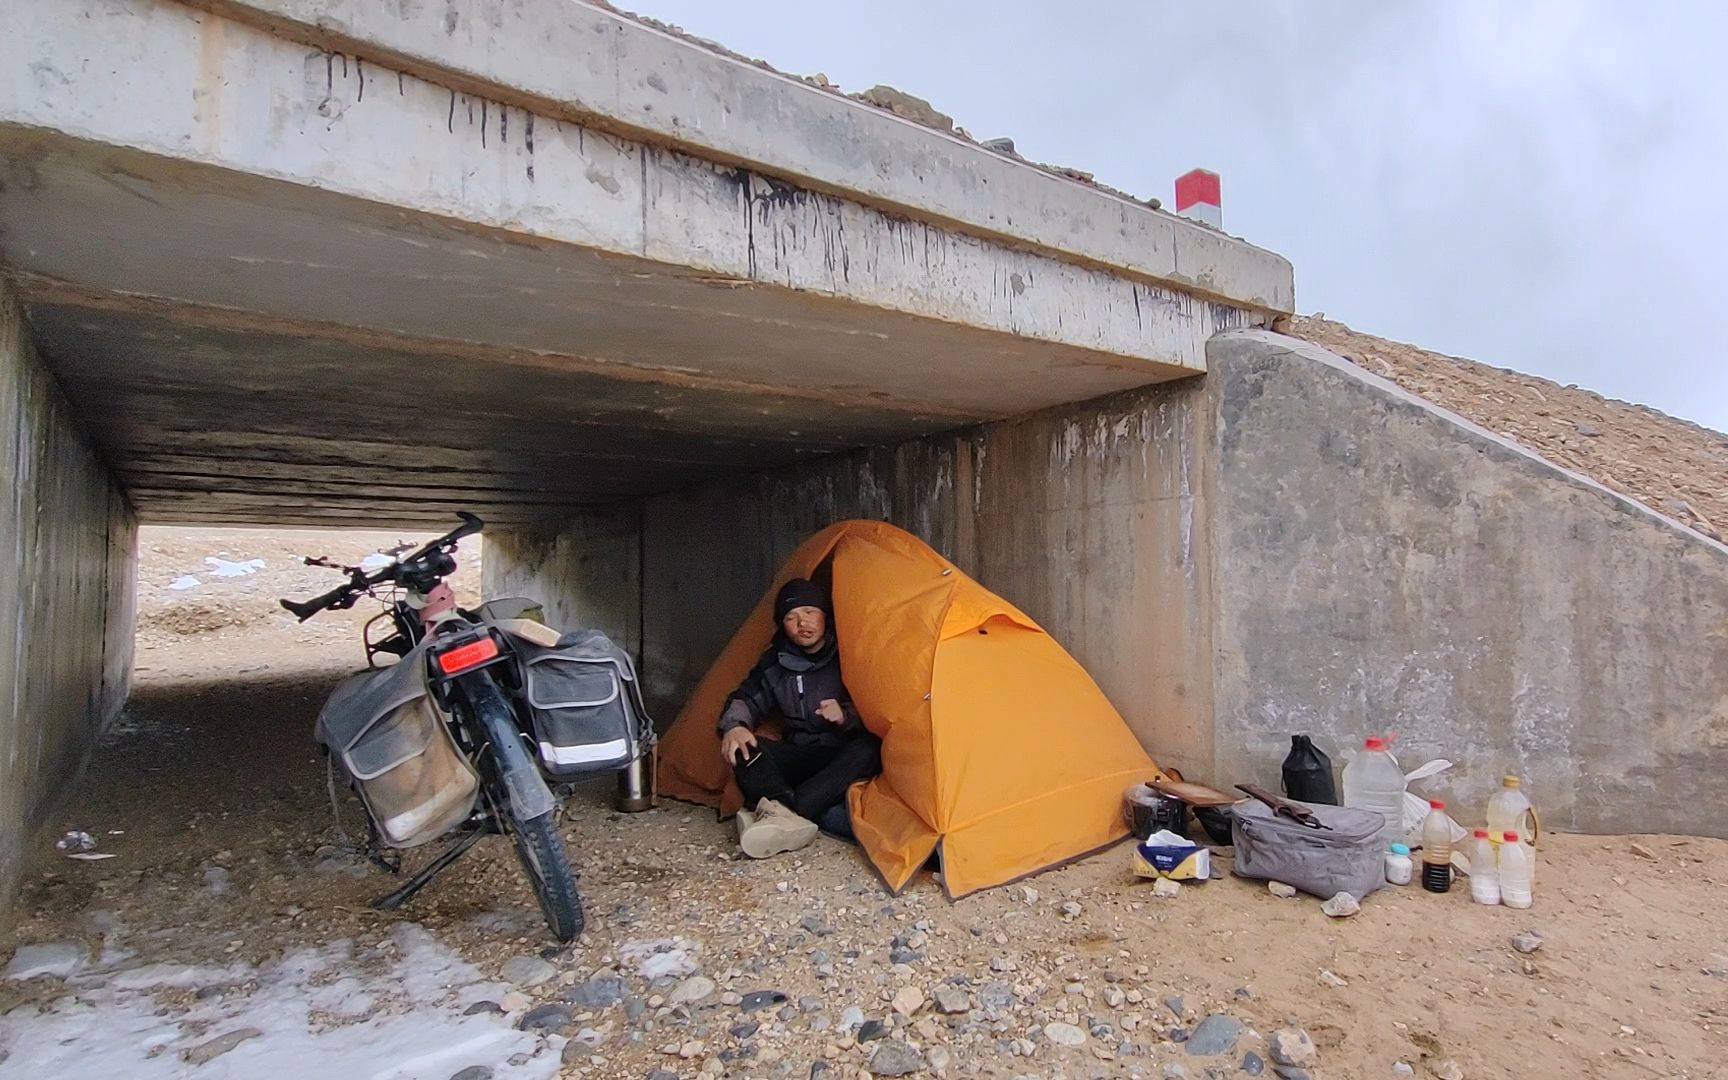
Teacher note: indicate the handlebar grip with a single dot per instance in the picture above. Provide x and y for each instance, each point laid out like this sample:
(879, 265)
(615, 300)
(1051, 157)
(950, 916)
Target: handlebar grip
(471, 524)
(305, 609)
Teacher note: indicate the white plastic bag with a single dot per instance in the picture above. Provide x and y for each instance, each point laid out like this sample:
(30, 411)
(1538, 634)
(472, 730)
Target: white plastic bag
(1416, 806)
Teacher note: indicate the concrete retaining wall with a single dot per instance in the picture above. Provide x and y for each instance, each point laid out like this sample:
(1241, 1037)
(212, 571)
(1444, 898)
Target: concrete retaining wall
(1383, 565)
(67, 559)
(1291, 545)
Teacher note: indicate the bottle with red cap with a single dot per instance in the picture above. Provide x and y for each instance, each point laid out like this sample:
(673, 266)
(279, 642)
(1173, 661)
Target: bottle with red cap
(1516, 885)
(1373, 781)
(1484, 870)
(1437, 848)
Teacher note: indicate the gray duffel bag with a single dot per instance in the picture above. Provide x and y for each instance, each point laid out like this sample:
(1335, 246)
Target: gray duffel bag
(1323, 862)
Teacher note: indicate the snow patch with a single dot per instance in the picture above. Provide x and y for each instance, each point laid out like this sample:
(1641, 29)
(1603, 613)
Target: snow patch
(48, 958)
(223, 568)
(401, 1023)
(660, 957)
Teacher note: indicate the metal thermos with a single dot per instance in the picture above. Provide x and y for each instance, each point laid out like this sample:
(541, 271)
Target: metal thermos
(636, 784)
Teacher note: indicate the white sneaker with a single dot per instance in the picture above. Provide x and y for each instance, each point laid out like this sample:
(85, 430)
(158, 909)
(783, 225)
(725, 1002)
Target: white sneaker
(773, 830)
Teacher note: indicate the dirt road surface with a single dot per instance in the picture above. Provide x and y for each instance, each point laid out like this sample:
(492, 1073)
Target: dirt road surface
(230, 936)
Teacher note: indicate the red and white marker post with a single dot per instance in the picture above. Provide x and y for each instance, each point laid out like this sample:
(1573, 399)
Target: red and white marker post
(1197, 197)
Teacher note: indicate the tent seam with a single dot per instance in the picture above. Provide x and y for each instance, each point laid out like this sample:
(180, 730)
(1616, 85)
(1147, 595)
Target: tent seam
(930, 681)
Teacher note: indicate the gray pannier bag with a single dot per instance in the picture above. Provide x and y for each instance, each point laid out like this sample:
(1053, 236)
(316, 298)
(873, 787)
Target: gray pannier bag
(1323, 862)
(585, 704)
(387, 735)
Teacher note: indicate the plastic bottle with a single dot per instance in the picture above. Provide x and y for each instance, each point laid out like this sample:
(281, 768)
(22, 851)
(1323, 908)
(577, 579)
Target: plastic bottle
(1509, 810)
(1373, 781)
(1308, 773)
(1437, 848)
(1484, 869)
(1515, 882)
(1399, 868)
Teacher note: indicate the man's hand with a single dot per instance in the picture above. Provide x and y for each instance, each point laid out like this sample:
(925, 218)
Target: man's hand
(831, 711)
(737, 744)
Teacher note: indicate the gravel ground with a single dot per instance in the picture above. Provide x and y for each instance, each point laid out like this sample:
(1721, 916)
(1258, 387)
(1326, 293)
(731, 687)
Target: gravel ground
(212, 800)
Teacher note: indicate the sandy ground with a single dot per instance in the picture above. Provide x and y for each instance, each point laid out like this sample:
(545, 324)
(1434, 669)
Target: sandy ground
(228, 905)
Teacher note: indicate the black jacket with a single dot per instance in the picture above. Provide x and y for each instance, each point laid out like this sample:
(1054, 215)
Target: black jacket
(789, 683)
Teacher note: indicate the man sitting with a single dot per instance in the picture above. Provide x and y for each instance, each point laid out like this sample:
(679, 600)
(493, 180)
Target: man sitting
(793, 783)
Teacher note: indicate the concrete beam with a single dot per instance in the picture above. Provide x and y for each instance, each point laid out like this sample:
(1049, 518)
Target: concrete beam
(599, 68)
(179, 119)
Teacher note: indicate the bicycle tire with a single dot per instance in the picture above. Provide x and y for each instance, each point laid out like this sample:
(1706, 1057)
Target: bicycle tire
(538, 846)
(541, 852)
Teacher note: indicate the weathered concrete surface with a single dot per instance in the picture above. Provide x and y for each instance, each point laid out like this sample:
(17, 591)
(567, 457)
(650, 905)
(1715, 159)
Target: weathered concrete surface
(1382, 565)
(262, 268)
(595, 66)
(585, 574)
(66, 590)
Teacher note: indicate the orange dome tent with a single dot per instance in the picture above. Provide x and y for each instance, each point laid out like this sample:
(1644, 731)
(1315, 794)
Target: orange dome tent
(996, 744)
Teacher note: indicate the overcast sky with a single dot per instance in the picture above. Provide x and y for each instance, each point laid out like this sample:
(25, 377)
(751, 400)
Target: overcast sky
(1534, 184)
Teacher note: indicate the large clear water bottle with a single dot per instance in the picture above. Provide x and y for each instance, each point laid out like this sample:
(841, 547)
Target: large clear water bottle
(1373, 781)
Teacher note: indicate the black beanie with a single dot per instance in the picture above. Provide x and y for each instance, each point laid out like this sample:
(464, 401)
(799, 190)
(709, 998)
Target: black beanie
(797, 593)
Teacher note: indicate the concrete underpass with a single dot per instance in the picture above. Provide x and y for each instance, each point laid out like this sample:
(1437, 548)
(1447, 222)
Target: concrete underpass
(658, 314)
(271, 267)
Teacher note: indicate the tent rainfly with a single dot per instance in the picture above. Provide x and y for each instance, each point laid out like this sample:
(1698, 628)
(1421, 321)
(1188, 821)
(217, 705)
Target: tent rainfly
(997, 746)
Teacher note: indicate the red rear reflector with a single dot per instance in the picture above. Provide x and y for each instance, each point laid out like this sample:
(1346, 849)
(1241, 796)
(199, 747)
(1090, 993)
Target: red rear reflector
(466, 656)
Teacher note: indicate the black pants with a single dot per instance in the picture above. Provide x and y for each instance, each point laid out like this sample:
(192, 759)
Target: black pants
(809, 780)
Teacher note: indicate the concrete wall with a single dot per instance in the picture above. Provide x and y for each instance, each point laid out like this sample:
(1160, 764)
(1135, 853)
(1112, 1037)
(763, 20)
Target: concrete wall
(585, 573)
(1291, 545)
(67, 558)
(1087, 518)
(1383, 565)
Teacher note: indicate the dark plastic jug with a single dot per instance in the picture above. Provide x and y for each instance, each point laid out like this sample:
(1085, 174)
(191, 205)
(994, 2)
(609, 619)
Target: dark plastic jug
(1308, 773)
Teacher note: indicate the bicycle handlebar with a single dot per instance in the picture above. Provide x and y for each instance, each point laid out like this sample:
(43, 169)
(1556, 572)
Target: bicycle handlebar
(343, 596)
